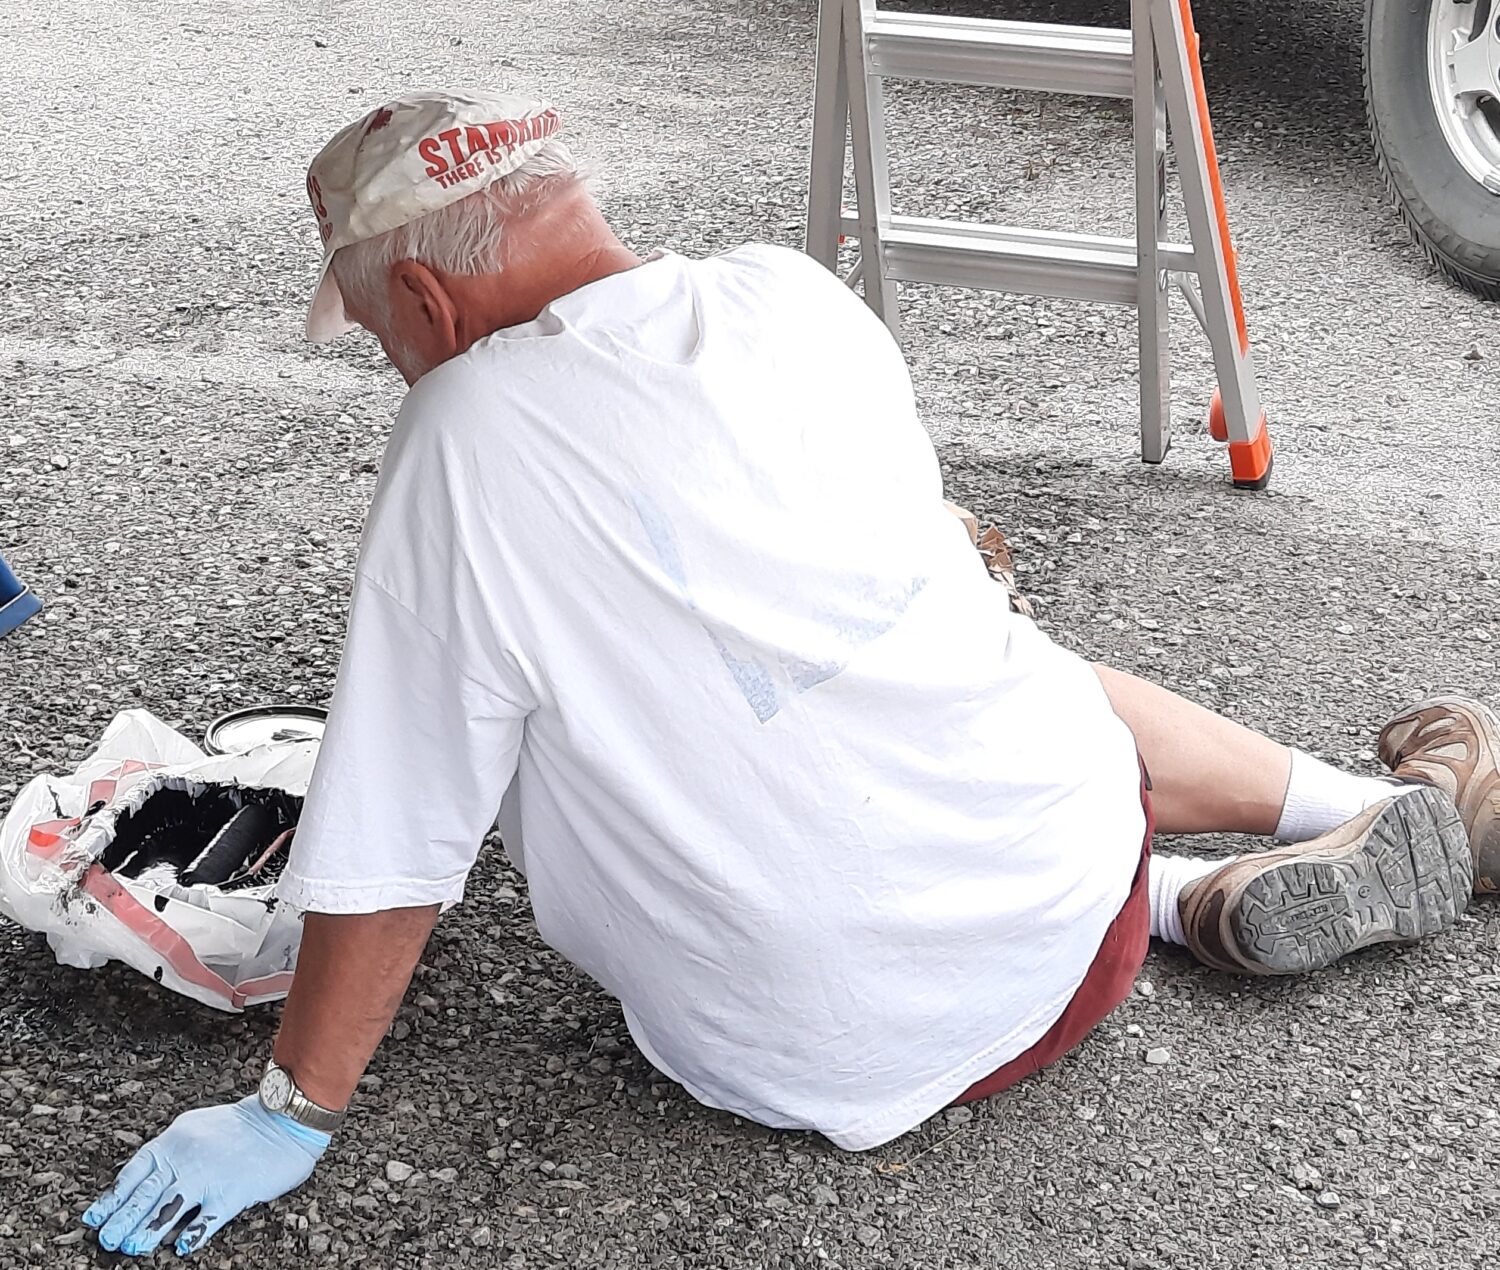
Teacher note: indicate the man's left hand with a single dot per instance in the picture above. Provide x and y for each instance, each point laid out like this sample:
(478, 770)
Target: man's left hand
(218, 1160)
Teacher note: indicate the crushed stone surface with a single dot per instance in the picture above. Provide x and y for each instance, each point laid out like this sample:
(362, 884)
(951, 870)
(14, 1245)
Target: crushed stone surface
(183, 481)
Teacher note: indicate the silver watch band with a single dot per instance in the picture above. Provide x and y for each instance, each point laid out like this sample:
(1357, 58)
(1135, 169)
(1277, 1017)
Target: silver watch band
(288, 1100)
(304, 1110)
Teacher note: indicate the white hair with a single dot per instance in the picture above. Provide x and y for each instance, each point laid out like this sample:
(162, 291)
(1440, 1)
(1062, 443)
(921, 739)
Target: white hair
(467, 237)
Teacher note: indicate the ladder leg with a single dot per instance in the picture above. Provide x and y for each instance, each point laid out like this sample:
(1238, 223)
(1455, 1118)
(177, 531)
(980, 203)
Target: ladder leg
(1150, 229)
(1176, 43)
(825, 191)
(871, 169)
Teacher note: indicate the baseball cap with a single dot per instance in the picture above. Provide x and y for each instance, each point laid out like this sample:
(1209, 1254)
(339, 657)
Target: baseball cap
(406, 158)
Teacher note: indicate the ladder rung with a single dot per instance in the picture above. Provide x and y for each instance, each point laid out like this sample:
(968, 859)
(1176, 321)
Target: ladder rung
(1035, 56)
(1026, 261)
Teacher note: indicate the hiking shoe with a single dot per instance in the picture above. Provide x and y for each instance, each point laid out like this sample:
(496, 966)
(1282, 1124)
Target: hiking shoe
(1398, 871)
(1454, 743)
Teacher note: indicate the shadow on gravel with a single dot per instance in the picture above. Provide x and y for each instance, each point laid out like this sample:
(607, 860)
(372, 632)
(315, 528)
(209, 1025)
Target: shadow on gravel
(75, 1010)
(1092, 484)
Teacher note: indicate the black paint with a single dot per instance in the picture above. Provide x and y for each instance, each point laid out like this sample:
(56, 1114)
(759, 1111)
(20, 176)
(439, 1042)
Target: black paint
(167, 1215)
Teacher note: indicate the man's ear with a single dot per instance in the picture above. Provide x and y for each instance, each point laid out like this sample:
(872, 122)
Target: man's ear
(422, 306)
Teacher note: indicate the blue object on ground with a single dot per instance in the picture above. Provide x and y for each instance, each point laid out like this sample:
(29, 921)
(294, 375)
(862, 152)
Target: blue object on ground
(214, 1162)
(17, 603)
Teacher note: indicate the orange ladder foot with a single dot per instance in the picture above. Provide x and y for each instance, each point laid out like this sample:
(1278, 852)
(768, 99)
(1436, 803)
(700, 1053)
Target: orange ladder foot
(1250, 462)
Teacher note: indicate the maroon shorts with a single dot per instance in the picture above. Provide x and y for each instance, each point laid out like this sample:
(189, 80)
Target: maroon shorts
(1106, 985)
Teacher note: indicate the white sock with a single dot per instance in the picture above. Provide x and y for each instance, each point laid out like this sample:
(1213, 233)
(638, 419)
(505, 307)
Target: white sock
(1320, 797)
(1166, 876)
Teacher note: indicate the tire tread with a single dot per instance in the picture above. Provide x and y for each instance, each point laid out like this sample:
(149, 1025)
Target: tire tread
(1443, 247)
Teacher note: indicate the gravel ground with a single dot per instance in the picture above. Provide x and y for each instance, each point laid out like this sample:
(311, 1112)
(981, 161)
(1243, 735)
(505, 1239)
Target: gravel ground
(184, 481)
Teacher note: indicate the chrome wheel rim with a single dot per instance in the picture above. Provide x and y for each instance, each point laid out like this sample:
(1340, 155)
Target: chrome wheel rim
(1463, 71)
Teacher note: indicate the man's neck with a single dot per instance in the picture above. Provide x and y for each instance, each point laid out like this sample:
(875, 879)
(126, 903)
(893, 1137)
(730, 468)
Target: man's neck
(560, 249)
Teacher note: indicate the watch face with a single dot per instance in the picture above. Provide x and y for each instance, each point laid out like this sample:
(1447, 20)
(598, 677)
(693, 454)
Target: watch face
(276, 1089)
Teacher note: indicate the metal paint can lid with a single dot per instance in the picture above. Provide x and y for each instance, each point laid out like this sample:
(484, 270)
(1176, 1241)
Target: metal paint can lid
(241, 730)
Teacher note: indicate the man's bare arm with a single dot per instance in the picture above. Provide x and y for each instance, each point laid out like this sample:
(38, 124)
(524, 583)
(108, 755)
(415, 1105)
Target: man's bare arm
(214, 1162)
(352, 972)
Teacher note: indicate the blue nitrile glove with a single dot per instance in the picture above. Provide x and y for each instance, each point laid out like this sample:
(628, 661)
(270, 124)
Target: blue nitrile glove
(220, 1160)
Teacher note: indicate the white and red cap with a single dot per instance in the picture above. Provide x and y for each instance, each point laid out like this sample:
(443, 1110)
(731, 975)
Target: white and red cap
(406, 158)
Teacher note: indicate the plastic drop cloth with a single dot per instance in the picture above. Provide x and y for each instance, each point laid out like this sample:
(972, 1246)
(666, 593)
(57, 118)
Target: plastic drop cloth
(227, 946)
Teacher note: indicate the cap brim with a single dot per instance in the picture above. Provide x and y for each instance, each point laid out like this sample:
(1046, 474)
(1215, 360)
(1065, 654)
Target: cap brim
(326, 320)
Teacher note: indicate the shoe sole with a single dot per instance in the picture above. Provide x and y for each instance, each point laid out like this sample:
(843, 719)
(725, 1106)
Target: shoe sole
(1407, 877)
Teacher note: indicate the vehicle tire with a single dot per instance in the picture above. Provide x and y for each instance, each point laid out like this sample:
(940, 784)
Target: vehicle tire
(1438, 142)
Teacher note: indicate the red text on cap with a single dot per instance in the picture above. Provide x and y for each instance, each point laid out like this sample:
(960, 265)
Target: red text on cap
(315, 197)
(454, 149)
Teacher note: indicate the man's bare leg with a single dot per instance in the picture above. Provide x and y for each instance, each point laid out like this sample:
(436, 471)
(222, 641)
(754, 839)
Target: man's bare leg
(1211, 775)
(1208, 773)
(1385, 862)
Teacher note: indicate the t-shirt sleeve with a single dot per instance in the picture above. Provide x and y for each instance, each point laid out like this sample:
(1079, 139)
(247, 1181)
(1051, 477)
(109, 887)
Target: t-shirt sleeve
(415, 760)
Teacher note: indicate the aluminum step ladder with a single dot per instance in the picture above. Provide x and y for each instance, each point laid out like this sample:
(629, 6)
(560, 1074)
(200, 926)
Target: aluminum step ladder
(1154, 64)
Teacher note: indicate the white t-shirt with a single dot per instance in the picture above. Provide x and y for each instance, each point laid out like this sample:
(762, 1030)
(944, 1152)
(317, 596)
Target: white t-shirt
(841, 832)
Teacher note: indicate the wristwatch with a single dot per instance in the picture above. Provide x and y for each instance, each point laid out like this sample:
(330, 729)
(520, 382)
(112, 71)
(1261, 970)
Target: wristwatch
(279, 1093)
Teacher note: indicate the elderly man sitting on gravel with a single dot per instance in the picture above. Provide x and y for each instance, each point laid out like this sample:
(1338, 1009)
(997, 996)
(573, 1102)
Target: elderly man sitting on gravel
(848, 838)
